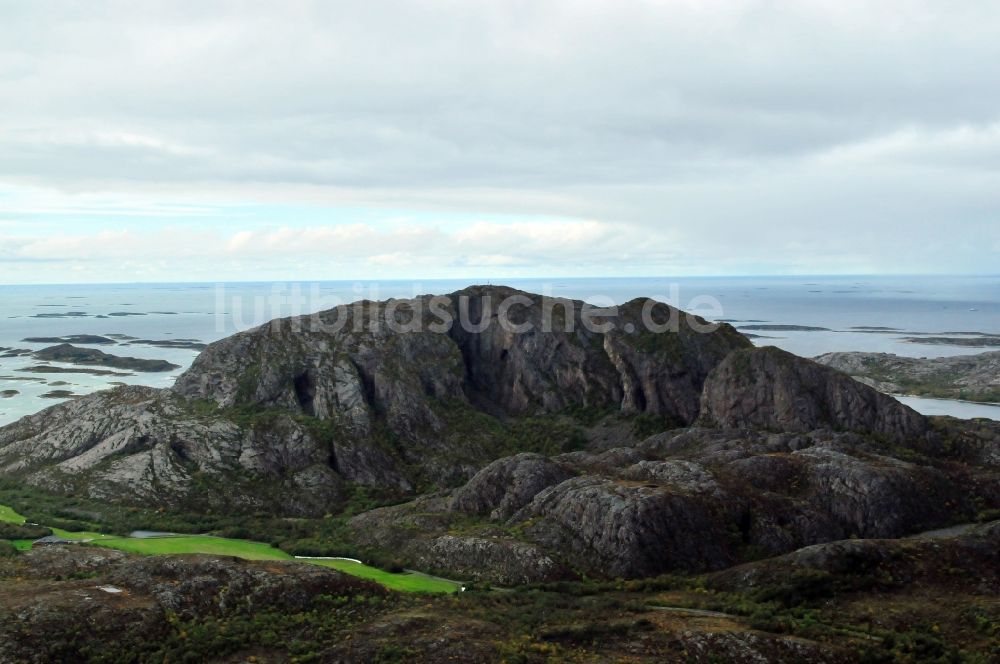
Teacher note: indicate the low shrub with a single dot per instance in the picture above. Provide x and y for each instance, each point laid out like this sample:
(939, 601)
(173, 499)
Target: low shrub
(16, 531)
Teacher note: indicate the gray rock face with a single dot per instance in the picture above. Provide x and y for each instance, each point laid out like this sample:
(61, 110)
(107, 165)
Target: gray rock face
(349, 363)
(896, 562)
(626, 529)
(876, 496)
(507, 485)
(422, 531)
(499, 561)
(145, 445)
(686, 476)
(691, 499)
(768, 388)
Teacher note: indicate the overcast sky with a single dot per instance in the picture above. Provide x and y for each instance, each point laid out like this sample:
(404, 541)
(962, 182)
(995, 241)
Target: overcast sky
(297, 140)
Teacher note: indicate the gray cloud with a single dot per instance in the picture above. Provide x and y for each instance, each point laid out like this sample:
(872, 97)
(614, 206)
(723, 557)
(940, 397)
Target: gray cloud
(759, 135)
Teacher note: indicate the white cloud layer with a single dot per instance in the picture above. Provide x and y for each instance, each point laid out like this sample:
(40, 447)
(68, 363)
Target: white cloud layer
(711, 136)
(567, 246)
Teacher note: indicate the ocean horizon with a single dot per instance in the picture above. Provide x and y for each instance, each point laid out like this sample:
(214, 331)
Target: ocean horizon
(818, 314)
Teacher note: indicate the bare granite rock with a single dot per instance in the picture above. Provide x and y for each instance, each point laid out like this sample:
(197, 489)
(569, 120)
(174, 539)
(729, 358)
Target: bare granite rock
(625, 529)
(857, 563)
(507, 485)
(690, 499)
(144, 445)
(768, 388)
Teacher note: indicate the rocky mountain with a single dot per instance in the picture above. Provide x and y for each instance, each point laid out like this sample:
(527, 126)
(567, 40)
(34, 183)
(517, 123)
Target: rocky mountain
(968, 377)
(349, 366)
(385, 394)
(538, 442)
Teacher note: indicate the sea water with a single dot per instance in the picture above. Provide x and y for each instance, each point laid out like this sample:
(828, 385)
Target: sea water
(208, 312)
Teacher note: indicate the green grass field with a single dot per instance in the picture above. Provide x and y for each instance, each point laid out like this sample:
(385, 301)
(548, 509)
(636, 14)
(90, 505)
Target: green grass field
(221, 546)
(9, 515)
(248, 550)
(196, 544)
(412, 582)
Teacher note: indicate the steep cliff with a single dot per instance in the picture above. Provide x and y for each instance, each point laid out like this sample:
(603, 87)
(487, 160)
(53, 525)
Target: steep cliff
(769, 388)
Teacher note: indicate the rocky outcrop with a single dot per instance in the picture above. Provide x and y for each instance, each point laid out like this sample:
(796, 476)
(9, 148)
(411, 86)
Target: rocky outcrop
(507, 485)
(968, 377)
(875, 496)
(626, 529)
(885, 563)
(427, 533)
(691, 499)
(500, 561)
(768, 388)
(148, 446)
(744, 494)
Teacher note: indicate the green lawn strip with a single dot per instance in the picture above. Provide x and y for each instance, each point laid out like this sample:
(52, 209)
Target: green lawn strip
(248, 550)
(8, 515)
(409, 582)
(22, 545)
(195, 544)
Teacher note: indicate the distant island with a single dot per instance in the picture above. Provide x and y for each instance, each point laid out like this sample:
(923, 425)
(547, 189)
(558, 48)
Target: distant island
(70, 354)
(966, 377)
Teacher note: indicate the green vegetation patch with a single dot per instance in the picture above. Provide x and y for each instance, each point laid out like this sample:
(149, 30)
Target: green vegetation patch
(249, 550)
(407, 581)
(207, 544)
(8, 515)
(17, 531)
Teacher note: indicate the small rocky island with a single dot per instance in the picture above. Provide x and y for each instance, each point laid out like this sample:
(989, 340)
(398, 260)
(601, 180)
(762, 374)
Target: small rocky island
(966, 377)
(70, 354)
